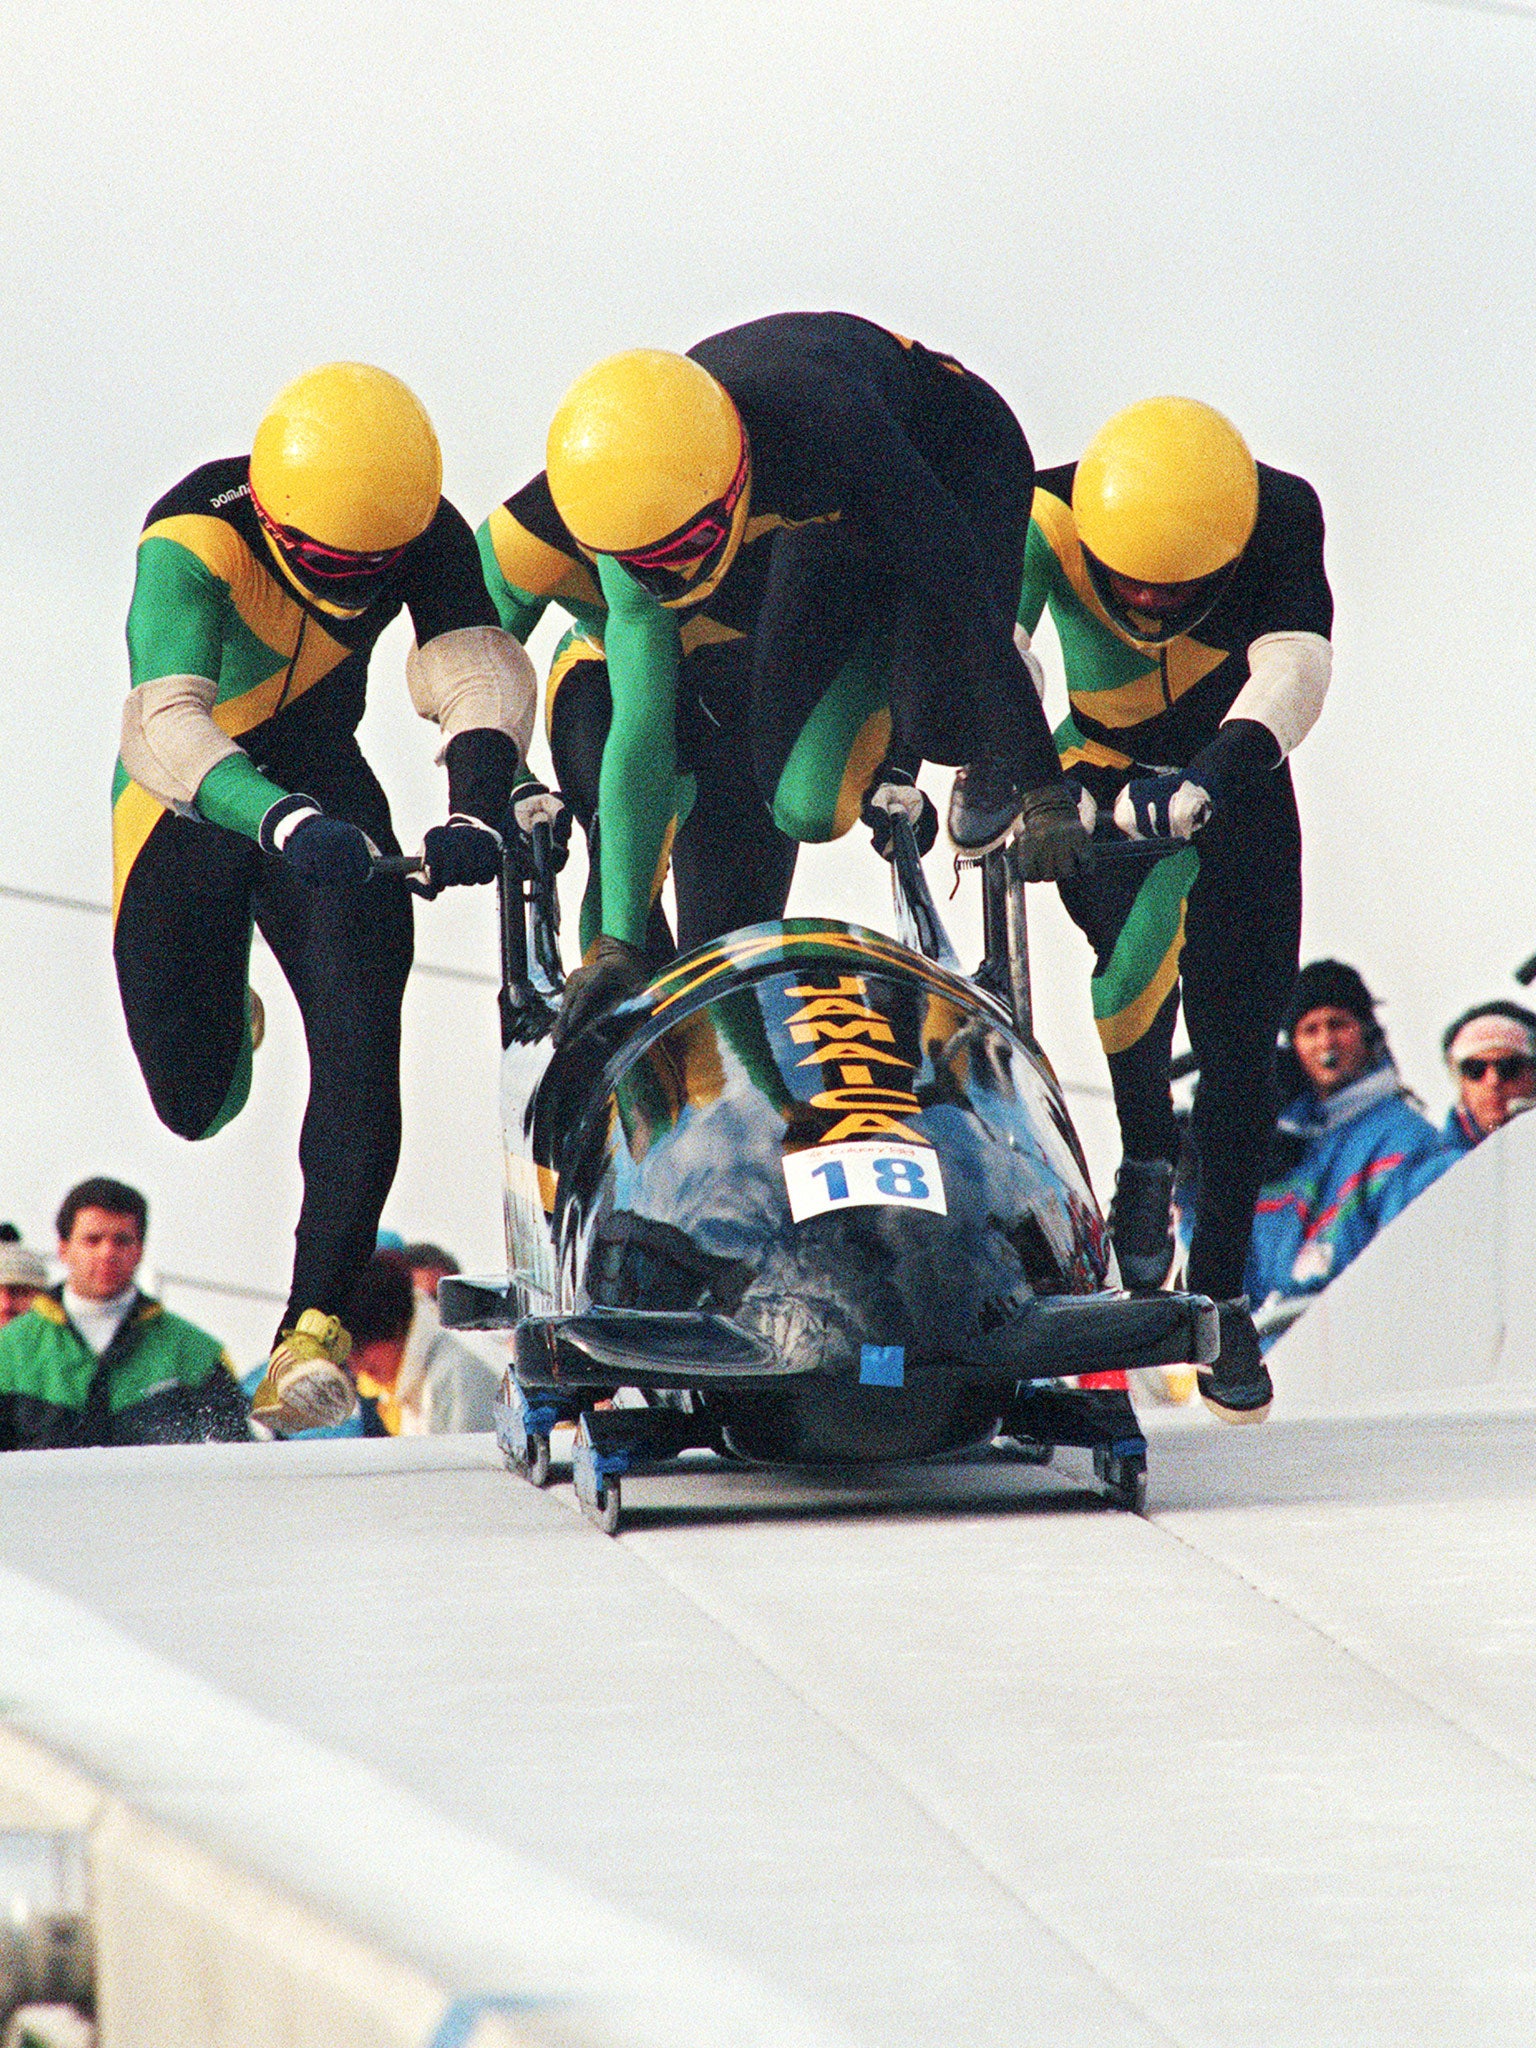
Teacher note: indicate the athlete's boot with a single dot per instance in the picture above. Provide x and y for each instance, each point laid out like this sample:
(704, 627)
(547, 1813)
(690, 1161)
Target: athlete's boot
(304, 1386)
(1236, 1385)
(985, 805)
(1141, 1225)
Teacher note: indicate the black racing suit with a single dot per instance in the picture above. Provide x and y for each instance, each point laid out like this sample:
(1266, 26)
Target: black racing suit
(210, 601)
(730, 864)
(869, 606)
(1220, 917)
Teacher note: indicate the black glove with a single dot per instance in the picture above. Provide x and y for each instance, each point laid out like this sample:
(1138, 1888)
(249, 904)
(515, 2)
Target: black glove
(460, 854)
(614, 972)
(533, 805)
(1051, 843)
(327, 852)
(895, 789)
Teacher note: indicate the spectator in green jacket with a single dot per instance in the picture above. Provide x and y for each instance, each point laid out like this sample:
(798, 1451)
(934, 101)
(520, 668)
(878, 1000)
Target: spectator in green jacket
(95, 1361)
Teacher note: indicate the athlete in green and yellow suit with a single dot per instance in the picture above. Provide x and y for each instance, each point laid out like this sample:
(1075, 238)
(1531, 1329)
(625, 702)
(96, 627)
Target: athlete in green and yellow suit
(730, 864)
(242, 797)
(1187, 588)
(851, 509)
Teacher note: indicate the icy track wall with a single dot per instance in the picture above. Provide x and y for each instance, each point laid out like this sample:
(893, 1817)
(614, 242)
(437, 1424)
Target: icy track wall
(252, 1890)
(1441, 1305)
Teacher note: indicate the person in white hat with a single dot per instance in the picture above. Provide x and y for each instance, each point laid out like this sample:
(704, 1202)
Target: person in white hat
(22, 1275)
(1491, 1052)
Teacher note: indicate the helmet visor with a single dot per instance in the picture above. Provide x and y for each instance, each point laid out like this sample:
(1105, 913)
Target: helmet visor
(1154, 613)
(342, 576)
(669, 569)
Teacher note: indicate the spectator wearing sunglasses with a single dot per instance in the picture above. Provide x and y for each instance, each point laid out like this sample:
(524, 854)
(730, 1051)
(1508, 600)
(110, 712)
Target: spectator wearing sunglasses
(241, 797)
(1349, 1151)
(1491, 1053)
(848, 511)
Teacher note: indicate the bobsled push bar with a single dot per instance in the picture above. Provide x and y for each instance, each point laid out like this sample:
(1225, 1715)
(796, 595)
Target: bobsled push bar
(1052, 1337)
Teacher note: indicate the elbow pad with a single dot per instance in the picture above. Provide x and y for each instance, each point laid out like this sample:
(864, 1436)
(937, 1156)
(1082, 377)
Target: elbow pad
(1287, 681)
(475, 678)
(169, 738)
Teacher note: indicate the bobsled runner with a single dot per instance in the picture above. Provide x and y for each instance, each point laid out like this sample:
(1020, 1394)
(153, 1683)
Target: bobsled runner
(812, 1198)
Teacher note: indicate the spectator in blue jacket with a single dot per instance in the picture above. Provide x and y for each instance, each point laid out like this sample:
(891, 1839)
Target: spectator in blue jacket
(1348, 1145)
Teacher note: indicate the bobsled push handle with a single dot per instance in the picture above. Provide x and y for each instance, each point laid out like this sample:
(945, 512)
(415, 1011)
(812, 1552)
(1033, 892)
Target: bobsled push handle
(917, 920)
(531, 976)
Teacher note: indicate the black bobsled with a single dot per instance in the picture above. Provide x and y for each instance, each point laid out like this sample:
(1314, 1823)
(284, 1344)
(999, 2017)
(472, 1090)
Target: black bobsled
(814, 1197)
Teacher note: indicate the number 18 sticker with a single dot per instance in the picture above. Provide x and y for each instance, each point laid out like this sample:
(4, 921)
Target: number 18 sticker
(860, 1174)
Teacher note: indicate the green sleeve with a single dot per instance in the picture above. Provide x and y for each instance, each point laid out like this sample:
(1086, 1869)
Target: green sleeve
(518, 610)
(236, 795)
(176, 619)
(1039, 571)
(638, 790)
(176, 627)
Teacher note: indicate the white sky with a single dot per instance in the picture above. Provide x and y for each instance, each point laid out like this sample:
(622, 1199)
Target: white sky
(1317, 216)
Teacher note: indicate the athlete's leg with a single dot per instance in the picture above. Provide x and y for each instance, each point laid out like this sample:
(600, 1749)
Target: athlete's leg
(181, 944)
(821, 722)
(946, 698)
(1244, 932)
(346, 954)
(1134, 918)
(578, 710)
(731, 865)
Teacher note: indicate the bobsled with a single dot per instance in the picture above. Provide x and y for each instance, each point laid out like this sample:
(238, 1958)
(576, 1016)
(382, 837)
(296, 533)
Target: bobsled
(812, 1198)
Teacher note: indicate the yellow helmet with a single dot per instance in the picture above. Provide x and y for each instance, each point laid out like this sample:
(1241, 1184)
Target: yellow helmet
(345, 473)
(1165, 498)
(648, 461)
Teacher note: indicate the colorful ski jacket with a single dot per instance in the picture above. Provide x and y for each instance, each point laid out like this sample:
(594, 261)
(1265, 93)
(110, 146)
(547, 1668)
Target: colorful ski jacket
(1363, 1148)
(1158, 706)
(160, 1381)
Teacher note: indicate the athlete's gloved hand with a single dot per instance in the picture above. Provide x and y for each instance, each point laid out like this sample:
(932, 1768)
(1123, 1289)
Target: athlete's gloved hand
(327, 852)
(895, 791)
(612, 972)
(534, 805)
(1163, 807)
(460, 854)
(1051, 843)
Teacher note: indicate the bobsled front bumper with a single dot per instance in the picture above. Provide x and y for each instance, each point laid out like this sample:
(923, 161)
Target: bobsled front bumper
(1053, 1337)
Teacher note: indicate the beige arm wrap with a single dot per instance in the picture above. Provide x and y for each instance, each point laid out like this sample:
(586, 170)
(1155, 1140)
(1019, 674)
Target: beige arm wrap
(1287, 681)
(169, 738)
(475, 676)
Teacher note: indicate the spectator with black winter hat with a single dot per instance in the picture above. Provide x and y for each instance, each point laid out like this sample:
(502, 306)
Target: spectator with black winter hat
(1348, 1145)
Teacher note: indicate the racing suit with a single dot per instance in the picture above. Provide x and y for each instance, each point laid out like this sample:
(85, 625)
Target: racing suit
(245, 691)
(731, 866)
(1220, 918)
(867, 611)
